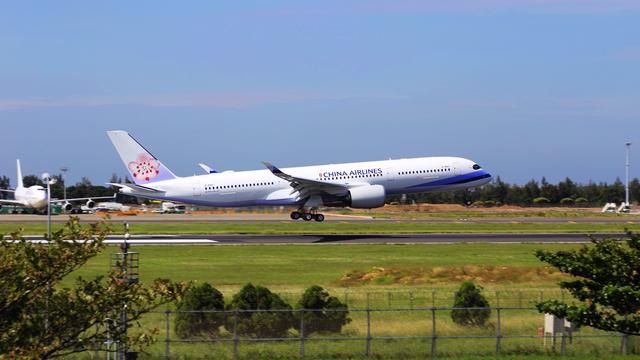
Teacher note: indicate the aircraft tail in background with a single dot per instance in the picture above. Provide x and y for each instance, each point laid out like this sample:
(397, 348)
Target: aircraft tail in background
(19, 182)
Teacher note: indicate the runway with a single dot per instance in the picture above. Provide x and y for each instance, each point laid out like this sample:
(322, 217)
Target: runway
(351, 239)
(270, 218)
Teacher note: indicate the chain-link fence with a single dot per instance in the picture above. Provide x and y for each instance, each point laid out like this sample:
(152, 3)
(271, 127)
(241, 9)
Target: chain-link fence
(377, 331)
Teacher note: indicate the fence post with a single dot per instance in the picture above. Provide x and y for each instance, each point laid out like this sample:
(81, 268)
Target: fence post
(498, 334)
(410, 300)
(346, 298)
(368, 349)
(433, 331)
(301, 333)
(563, 342)
(624, 341)
(235, 335)
(167, 336)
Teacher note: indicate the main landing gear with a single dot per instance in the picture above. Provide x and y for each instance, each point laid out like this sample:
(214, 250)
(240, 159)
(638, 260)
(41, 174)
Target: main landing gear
(307, 216)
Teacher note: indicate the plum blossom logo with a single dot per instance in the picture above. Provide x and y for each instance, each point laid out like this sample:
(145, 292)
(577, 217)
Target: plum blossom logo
(145, 168)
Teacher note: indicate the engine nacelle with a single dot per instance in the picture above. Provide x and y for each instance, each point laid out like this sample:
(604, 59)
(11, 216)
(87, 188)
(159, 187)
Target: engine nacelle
(90, 204)
(67, 206)
(361, 197)
(367, 197)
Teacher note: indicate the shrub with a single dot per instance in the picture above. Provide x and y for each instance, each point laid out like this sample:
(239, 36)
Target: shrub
(325, 318)
(203, 297)
(567, 201)
(262, 324)
(470, 296)
(541, 201)
(489, 203)
(581, 201)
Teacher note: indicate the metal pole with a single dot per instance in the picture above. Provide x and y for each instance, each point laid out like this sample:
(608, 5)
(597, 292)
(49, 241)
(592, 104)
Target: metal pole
(167, 337)
(433, 331)
(498, 334)
(627, 166)
(625, 340)
(235, 335)
(368, 349)
(301, 333)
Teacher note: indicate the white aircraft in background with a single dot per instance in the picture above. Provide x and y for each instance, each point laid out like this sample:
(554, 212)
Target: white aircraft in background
(35, 197)
(356, 185)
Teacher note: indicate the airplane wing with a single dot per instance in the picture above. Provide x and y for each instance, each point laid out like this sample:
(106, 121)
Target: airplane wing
(12, 202)
(307, 187)
(85, 198)
(133, 188)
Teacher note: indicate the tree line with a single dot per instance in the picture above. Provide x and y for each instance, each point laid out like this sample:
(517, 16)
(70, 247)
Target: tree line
(566, 193)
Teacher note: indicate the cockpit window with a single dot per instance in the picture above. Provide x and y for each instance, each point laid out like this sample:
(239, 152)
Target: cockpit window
(476, 167)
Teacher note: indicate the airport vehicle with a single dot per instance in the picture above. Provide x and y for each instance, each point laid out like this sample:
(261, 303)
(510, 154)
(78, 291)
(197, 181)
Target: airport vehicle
(356, 185)
(35, 197)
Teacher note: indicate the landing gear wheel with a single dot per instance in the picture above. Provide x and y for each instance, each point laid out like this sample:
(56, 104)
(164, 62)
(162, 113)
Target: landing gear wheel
(295, 215)
(319, 217)
(307, 217)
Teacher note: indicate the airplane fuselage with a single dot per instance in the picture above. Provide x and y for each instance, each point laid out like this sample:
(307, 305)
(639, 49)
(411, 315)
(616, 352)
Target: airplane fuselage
(262, 187)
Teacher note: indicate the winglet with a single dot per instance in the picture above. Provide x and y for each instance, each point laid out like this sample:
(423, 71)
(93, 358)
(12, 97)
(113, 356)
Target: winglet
(272, 168)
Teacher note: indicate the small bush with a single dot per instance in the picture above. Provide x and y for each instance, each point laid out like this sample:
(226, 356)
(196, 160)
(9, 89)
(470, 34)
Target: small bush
(489, 203)
(567, 201)
(203, 297)
(470, 296)
(581, 201)
(263, 324)
(541, 201)
(325, 318)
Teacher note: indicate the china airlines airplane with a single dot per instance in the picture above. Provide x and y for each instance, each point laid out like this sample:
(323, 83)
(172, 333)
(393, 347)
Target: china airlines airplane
(362, 185)
(35, 197)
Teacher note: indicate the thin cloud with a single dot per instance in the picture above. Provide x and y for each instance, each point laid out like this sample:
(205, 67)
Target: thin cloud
(391, 6)
(229, 100)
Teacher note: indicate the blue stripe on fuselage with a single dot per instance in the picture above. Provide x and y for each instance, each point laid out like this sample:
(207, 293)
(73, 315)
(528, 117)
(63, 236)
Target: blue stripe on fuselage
(455, 180)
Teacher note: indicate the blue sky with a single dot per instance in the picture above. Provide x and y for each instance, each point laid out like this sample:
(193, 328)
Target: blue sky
(527, 88)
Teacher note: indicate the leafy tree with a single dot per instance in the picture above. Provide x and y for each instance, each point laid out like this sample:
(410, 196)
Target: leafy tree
(262, 324)
(30, 180)
(5, 183)
(203, 297)
(330, 314)
(41, 319)
(470, 296)
(605, 281)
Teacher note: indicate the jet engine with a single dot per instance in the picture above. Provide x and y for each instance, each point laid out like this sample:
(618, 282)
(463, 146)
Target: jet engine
(90, 204)
(67, 206)
(361, 197)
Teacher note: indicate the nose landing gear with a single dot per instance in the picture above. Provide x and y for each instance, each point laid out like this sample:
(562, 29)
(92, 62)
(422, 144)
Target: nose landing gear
(307, 215)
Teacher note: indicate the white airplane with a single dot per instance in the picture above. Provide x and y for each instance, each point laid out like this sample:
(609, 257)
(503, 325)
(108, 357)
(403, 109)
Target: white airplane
(357, 185)
(35, 197)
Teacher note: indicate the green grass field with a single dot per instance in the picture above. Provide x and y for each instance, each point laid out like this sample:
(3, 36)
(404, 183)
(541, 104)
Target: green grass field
(288, 269)
(397, 227)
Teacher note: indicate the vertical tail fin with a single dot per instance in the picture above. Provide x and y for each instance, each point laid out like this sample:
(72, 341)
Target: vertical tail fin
(19, 182)
(143, 167)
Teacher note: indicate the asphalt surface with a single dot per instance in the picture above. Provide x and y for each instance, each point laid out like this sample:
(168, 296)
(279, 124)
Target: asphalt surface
(235, 218)
(350, 239)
